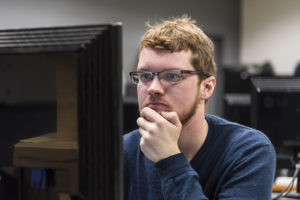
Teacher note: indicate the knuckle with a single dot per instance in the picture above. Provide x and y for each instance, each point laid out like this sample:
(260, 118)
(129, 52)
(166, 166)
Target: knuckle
(160, 122)
(142, 142)
(147, 138)
(173, 115)
(155, 129)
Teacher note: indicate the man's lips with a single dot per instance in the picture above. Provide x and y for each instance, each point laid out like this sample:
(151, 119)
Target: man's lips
(158, 106)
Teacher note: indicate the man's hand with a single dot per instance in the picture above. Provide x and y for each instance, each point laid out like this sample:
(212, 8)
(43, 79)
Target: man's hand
(160, 133)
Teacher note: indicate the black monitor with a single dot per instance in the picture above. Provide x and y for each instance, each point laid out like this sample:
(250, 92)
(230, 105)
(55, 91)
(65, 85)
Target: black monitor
(77, 69)
(275, 110)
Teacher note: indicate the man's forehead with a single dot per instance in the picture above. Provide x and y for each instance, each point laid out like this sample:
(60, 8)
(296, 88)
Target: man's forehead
(158, 58)
(164, 51)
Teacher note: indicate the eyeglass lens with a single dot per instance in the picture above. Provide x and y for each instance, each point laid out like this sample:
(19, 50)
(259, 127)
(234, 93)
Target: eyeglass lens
(169, 76)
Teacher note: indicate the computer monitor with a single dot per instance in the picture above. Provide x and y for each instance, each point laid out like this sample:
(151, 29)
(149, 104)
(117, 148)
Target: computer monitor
(275, 110)
(66, 78)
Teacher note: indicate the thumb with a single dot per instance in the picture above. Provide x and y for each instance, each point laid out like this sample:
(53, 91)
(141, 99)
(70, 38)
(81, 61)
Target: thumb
(172, 117)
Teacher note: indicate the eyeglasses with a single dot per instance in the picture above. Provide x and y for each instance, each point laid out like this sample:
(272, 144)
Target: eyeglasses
(171, 76)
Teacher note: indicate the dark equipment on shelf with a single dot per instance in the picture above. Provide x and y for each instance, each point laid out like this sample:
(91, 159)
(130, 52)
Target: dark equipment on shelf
(275, 110)
(237, 89)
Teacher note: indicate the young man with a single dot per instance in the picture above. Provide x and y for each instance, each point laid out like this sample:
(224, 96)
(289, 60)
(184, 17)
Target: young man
(179, 152)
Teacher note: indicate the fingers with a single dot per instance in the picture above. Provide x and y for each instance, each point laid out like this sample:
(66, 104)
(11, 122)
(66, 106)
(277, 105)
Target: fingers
(153, 116)
(142, 132)
(150, 114)
(143, 123)
(172, 117)
(159, 133)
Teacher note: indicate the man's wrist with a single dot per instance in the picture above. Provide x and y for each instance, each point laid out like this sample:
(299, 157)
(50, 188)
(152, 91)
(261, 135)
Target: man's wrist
(173, 166)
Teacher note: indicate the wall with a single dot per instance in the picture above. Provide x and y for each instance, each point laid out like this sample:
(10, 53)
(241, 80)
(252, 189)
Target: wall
(270, 31)
(217, 17)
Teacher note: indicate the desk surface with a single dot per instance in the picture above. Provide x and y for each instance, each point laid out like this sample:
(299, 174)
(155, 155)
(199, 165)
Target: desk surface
(292, 195)
(46, 151)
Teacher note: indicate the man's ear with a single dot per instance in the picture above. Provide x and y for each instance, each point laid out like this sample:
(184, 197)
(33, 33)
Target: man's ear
(207, 87)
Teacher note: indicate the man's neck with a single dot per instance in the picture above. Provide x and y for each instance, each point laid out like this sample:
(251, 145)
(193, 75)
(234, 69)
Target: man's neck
(193, 135)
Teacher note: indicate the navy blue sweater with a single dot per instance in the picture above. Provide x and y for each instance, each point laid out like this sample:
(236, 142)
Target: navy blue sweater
(235, 162)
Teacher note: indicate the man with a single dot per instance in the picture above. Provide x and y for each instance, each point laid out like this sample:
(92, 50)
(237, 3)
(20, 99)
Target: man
(179, 152)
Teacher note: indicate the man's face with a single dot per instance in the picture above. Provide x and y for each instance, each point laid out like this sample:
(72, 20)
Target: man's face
(181, 97)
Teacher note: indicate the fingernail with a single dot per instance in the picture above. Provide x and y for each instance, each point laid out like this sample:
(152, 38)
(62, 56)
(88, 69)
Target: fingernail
(164, 113)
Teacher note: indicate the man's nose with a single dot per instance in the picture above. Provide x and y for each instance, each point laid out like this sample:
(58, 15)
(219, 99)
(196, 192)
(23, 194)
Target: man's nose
(155, 87)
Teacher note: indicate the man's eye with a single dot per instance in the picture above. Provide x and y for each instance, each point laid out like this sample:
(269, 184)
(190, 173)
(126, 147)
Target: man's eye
(146, 76)
(171, 76)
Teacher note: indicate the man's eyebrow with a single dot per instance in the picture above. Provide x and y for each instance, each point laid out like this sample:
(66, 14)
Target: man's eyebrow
(146, 69)
(143, 69)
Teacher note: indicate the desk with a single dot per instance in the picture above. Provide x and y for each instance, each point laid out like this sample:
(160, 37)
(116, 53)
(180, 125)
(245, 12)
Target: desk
(61, 156)
(292, 195)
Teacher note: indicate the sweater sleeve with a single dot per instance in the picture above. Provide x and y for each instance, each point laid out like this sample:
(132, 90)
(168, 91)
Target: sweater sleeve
(249, 175)
(179, 180)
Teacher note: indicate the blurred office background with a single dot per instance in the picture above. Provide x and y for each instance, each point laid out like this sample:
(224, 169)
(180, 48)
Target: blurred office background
(251, 37)
(244, 31)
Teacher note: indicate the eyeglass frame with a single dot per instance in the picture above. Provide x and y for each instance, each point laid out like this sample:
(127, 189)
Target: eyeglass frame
(153, 74)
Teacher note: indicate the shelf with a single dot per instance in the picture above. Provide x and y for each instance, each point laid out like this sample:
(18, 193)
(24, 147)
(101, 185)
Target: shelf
(45, 151)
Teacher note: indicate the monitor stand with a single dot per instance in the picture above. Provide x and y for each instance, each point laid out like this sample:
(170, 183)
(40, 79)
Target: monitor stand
(295, 146)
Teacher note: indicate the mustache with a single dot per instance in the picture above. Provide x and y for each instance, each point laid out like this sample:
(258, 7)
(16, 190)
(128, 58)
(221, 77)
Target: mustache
(154, 100)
